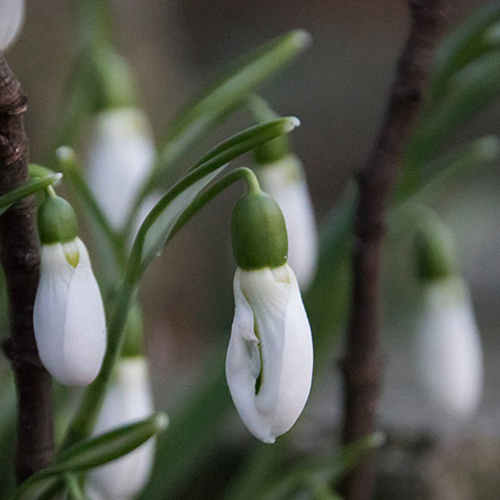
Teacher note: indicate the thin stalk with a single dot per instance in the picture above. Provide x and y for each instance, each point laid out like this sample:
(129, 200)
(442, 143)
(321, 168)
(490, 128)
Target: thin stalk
(361, 365)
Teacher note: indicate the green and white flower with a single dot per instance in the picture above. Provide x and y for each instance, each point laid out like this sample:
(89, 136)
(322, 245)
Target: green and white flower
(11, 21)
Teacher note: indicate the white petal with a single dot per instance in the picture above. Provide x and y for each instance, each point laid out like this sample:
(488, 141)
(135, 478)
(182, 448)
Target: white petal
(128, 400)
(285, 181)
(270, 330)
(85, 326)
(120, 159)
(49, 315)
(449, 352)
(11, 21)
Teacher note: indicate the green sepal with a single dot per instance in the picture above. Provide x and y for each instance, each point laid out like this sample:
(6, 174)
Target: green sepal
(435, 252)
(276, 149)
(133, 344)
(56, 221)
(259, 232)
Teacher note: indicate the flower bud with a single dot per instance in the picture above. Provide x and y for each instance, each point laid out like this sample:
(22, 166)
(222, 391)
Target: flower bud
(11, 21)
(68, 317)
(120, 159)
(258, 232)
(128, 400)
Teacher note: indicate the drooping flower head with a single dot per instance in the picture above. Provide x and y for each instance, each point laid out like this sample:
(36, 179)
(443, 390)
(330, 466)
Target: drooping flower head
(128, 400)
(269, 360)
(11, 21)
(448, 344)
(120, 158)
(69, 319)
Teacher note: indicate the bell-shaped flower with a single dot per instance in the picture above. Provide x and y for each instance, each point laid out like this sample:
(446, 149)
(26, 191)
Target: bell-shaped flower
(448, 348)
(11, 21)
(448, 345)
(128, 400)
(68, 318)
(285, 181)
(270, 357)
(120, 158)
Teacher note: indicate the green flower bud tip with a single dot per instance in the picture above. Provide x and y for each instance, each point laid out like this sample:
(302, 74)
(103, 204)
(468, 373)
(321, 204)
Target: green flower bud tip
(56, 221)
(259, 232)
(435, 254)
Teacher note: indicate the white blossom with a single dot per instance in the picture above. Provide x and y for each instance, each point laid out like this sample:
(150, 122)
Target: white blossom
(69, 319)
(449, 353)
(128, 400)
(285, 181)
(11, 21)
(120, 159)
(270, 357)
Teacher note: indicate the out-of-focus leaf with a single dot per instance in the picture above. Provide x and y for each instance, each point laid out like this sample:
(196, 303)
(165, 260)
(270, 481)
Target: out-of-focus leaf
(464, 44)
(222, 97)
(28, 188)
(472, 89)
(423, 182)
(159, 223)
(99, 450)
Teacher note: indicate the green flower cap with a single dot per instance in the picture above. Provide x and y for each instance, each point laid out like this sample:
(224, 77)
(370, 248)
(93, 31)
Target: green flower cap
(275, 149)
(435, 253)
(259, 232)
(56, 221)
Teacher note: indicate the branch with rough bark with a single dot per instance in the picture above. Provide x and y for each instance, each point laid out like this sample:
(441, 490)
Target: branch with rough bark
(361, 365)
(19, 256)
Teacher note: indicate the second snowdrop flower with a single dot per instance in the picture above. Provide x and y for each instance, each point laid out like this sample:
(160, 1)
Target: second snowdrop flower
(69, 319)
(11, 21)
(270, 356)
(120, 159)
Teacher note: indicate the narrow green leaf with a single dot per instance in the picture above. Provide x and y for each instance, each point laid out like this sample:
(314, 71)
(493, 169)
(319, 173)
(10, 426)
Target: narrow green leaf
(158, 225)
(226, 94)
(471, 90)
(27, 189)
(464, 44)
(100, 450)
(429, 179)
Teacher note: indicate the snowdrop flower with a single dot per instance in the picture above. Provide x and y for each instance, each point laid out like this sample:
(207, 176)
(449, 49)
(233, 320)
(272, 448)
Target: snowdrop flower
(68, 317)
(11, 21)
(285, 181)
(448, 345)
(270, 356)
(128, 400)
(120, 159)
(449, 352)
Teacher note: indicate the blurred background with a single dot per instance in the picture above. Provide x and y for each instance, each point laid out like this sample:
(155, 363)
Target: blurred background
(338, 89)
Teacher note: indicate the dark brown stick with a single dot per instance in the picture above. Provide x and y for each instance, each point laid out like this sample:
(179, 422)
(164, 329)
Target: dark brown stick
(20, 259)
(361, 364)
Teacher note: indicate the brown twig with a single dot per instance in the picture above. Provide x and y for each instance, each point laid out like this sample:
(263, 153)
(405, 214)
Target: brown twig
(361, 365)
(20, 259)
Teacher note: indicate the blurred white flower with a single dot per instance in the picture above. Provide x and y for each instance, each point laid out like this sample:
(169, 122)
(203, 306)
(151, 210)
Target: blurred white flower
(449, 353)
(270, 357)
(120, 159)
(69, 319)
(11, 21)
(128, 400)
(285, 181)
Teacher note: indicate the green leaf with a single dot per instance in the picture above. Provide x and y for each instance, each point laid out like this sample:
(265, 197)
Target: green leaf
(222, 97)
(422, 183)
(471, 90)
(160, 222)
(99, 450)
(464, 44)
(28, 188)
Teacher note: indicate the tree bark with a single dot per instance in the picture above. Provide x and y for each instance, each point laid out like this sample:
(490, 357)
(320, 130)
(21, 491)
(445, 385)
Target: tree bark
(19, 256)
(361, 365)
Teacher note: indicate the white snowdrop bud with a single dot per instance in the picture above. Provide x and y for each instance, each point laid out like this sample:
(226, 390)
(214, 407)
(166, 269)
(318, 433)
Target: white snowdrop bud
(11, 21)
(128, 400)
(120, 158)
(68, 317)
